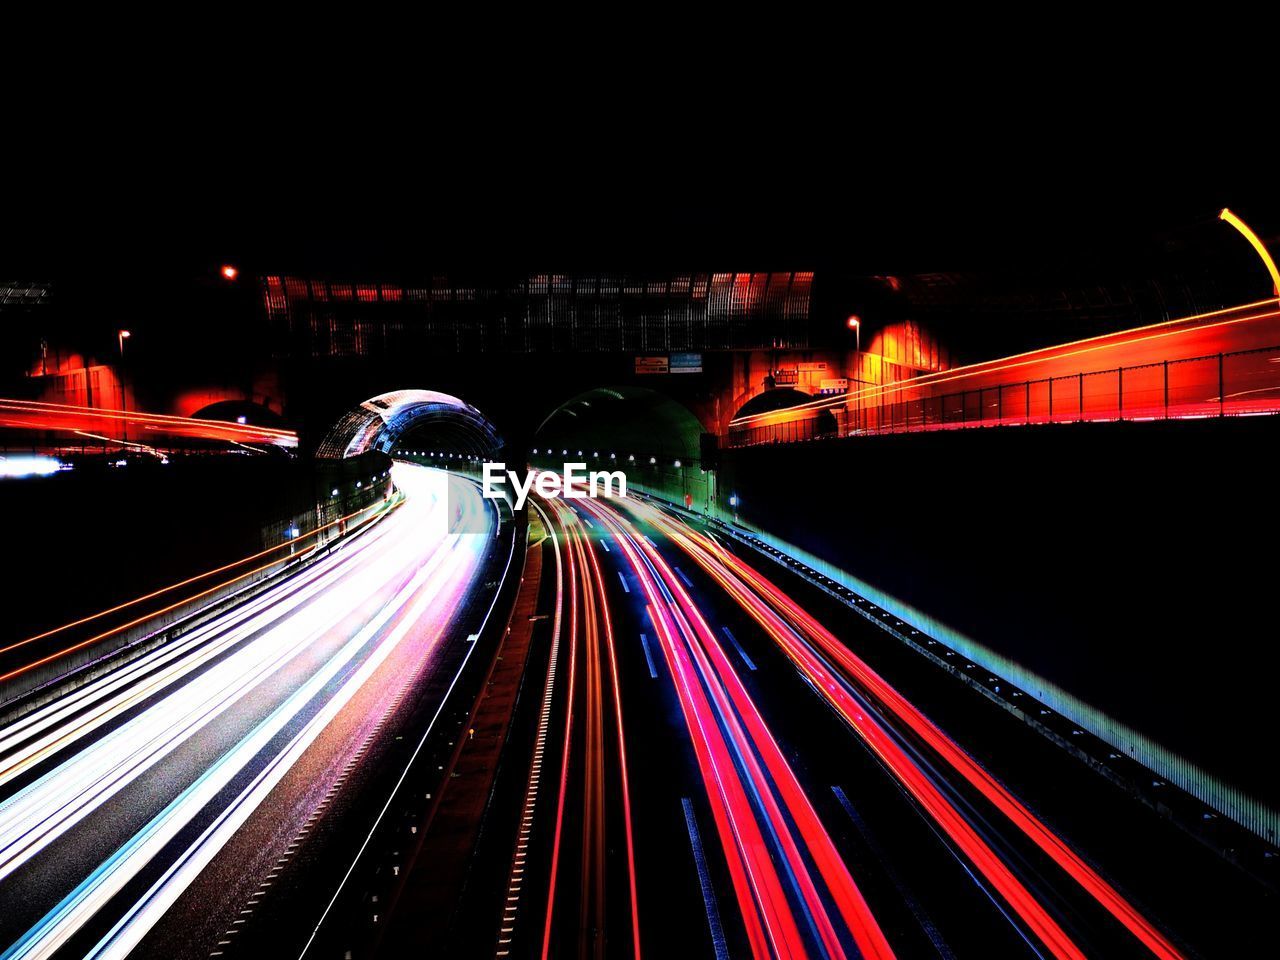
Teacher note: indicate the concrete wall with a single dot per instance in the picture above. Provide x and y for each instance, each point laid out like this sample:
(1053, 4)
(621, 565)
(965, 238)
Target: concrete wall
(1118, 571)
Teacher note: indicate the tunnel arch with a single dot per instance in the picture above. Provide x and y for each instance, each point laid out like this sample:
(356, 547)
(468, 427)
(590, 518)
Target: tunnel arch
(653, 438)
(767, 401)
(622, 420)
(438, 420)
(232, 410)
(817, 423)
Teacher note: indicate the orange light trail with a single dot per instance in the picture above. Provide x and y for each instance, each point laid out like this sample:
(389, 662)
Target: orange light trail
(1088, 345)
(160, 421)
(19, 671)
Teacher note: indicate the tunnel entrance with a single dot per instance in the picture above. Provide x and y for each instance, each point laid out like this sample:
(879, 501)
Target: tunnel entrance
(432, 422)
(240, 411)
(654, 439)
(817, 424)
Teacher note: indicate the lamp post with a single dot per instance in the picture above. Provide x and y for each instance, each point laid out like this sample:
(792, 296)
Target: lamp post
(855, 324)
(121, 337)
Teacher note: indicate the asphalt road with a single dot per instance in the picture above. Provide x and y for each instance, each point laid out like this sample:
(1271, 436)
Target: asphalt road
(195, 768)
(798, 782)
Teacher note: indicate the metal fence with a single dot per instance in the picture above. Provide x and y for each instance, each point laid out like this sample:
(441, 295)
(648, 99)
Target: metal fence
(1241, 383)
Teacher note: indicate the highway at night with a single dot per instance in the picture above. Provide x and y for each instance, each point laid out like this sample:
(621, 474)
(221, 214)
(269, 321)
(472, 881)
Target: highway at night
(714, 828)
(118, 794)
(576, 555)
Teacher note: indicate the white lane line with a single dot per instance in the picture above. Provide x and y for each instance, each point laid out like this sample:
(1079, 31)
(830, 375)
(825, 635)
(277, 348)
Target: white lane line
(737, 646)
(704, 881)
(648, 655)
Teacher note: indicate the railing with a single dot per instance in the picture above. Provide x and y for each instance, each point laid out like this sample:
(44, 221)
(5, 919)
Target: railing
(1240, 383)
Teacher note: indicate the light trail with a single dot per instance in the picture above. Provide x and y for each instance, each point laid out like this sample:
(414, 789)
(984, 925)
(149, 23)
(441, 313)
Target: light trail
(564, 758)
(768, 605)
(28, 740)
(38, 415)
(287, 658)
(591, 635)
(1234, 329)
(360, 516)
(519, 859)
(611, 648)
(757, 803)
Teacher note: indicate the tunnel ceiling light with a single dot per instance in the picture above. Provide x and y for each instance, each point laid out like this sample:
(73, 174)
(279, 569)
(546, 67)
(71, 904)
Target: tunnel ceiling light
(653, 459)
(678, 464)
(334, 492)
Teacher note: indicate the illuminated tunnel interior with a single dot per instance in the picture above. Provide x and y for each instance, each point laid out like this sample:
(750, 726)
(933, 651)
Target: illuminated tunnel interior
(427, 419)
(654, 438)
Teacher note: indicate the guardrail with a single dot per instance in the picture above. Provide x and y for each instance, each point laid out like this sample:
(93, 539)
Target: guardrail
(38, 668)
(1238, 383)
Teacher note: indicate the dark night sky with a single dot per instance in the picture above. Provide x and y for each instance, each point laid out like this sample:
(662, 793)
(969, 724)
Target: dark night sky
(550, 164)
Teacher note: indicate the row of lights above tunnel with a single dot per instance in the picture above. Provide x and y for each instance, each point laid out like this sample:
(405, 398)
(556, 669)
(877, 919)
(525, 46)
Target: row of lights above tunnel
(360, 483)
(437, 454)
(613, 456)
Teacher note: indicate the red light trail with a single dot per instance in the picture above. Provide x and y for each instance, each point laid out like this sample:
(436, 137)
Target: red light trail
(1185, 390)
(591, 634)
(731, 741)
(35, 415)
(769, 605)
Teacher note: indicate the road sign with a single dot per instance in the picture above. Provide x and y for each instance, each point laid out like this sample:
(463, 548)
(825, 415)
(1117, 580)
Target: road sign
(787, 377)
(652, 365)
(686, 363)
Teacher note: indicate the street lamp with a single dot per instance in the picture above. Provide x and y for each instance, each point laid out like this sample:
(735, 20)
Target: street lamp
(855, 324)
(229, 272)
(121, 337)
